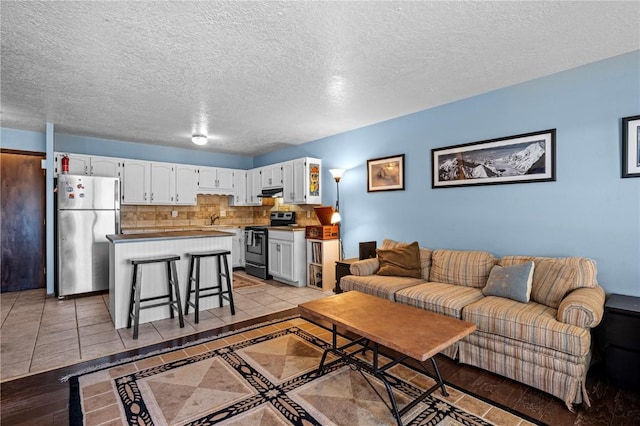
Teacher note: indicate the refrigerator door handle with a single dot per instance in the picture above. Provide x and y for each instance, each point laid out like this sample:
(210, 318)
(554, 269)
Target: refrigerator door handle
(116, 194)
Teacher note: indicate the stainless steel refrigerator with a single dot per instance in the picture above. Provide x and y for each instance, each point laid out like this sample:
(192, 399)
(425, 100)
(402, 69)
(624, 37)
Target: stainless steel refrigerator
(88, 209)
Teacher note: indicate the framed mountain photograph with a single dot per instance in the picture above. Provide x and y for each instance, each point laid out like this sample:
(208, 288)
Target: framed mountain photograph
(631, 146)
(529, 157)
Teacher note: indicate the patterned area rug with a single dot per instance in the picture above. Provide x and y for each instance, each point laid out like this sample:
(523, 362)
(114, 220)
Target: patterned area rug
(266, 375)
(242, 279)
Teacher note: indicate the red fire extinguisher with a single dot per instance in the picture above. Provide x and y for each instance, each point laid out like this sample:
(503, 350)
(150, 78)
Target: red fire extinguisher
(65, 164)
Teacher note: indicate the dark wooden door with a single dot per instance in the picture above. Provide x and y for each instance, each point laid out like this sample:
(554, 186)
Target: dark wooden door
(22, 229)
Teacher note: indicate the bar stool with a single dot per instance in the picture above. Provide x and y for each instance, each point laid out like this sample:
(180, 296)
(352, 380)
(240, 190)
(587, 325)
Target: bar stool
(217, 290)
(136, 290)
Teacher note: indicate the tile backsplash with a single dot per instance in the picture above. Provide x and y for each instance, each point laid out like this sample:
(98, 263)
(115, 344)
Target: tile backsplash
(143, 217)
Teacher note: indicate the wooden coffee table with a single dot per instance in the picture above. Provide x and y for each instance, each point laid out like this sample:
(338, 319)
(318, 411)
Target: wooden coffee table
(410, 331)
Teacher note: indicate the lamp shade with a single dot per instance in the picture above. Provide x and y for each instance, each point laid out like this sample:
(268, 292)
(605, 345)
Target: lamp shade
(337, 174)
(335, 218)
(199, 139)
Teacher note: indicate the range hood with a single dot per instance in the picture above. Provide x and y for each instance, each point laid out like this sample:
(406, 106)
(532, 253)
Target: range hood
(271, 193)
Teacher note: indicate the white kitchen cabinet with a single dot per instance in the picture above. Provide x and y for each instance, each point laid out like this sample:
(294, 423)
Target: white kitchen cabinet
(136, 182)
(271, 176)
(163, 183)
(186, 183)
(254, 188)
(302, 181)
(237, 252)
(240, 183)
(287, 257)
(321, 263)
(216, 180)
(80, 164)
(106, 166)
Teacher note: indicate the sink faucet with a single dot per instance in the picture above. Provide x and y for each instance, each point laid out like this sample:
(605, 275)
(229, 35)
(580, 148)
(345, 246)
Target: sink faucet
(214, 218)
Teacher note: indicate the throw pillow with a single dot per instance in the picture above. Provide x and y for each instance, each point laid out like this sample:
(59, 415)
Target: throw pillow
(401, 261)
(551, 282)
(512, 282)
(466, 268)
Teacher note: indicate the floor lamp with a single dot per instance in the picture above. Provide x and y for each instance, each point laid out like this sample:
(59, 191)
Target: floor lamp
(335, 217)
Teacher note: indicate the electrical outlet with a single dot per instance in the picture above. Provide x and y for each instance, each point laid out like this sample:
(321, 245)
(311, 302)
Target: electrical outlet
(174, 213)
(264, 213)
(223, 213)
(308, 213)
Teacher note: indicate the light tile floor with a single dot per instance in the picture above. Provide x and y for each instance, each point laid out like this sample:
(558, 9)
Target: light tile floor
(40, 333)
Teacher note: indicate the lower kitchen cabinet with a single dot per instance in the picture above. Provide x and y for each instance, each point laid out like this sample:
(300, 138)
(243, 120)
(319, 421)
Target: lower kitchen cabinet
(287, 256)
(238, 247)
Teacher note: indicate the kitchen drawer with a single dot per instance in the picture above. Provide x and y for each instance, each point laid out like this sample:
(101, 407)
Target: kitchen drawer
(281, 235)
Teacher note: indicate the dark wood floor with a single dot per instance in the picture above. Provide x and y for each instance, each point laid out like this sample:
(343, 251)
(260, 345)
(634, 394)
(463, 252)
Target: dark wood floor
(42, 399)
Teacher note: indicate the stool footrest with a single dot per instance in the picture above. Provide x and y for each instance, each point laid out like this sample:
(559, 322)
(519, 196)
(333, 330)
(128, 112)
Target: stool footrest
(155, 305)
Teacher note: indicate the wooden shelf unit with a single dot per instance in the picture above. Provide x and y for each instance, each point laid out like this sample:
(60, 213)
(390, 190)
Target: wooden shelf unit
(321, 258)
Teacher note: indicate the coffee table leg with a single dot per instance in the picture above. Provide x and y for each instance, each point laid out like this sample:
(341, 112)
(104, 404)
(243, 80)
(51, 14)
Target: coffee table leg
(435, 367)
(379, 373)
(334, 347)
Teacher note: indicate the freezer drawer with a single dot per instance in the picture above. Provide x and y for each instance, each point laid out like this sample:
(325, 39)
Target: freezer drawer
(83, 250)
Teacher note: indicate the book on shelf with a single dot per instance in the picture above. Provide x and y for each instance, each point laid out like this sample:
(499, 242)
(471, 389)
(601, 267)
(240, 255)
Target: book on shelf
(315, 276)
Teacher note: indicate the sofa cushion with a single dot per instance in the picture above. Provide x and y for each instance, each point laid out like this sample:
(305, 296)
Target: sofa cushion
(586, 270)
(364, 266)
(466, 268)
(425, 256)
(513, 282)
(533, 323)
(402, 261)
(445, 299)
(551, 282)
(378, 285)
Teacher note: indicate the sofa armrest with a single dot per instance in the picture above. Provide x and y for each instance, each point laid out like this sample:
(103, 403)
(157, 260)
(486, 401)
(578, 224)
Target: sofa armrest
(364, 267)
(582, 307)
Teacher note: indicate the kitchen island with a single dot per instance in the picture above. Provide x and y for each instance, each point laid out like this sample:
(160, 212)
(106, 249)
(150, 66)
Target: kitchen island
(123, 247)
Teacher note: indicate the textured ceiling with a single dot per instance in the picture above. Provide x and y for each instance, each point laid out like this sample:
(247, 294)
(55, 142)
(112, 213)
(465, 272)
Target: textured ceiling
(259, 76)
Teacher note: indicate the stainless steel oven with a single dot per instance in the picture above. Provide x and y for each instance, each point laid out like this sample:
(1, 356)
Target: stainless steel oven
(256, 244)
(255, 251)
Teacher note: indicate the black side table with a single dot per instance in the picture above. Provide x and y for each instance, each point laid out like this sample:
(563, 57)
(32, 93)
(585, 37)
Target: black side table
(618, 337)
(342, 269)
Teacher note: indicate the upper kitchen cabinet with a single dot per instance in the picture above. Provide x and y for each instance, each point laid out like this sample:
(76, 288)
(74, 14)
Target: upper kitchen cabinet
(136, 182)
(215, 180)
(163, 183)
(254, 187)
(92, 165)
(106, 166)
(271, 176)
(186, 183)
(240, 196)
(301, 181)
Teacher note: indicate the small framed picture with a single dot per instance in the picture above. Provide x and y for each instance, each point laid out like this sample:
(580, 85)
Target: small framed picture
(385, 174)
(631, 146)
(522, 158)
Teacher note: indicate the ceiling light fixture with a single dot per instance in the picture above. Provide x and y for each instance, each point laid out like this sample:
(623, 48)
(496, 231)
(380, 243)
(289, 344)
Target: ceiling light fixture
(199, 139)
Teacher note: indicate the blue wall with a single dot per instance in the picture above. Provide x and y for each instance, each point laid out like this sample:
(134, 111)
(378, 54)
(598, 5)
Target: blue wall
(138, 151)
(22, 140)
(588, 211)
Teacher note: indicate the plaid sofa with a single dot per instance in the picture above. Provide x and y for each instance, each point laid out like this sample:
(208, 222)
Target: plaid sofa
(544, 343)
